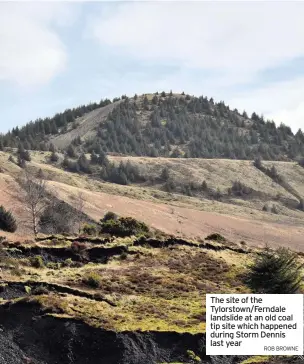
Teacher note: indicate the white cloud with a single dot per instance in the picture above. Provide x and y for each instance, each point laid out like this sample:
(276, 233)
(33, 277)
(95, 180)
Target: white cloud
(233, 41)
(31, 52)
(237, 38)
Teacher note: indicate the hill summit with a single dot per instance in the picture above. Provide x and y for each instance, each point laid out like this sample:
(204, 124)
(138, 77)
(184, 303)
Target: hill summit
(161, 124)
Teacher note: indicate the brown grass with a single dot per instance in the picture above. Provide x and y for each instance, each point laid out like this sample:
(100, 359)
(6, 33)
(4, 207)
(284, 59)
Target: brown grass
(171, 213)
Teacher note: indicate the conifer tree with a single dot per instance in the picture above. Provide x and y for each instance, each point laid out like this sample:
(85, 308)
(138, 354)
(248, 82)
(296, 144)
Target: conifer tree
(275, 272)
(7, 220)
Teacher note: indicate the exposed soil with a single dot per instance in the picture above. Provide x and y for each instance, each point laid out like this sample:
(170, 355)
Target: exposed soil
(187, 222)
(28, 335)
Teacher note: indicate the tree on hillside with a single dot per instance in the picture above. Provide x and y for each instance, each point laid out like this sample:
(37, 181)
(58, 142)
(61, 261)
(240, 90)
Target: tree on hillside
(245, 115)
(84, 164)
(146, 103)
(93, 158)
(71, 151)
(33, 196)
(165, 174)
(54, 157)
(7, 220)
(23, 154)
(275, 272)
(258, 162)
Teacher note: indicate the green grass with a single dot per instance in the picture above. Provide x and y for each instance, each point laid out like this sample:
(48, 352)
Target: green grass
(256, 359)
(160, 289)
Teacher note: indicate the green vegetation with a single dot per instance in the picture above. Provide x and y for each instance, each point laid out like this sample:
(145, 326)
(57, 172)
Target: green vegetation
(256, 359)
(7, 220)
(124, 226)
(37, 261)
(193, 357)
(92, 279)
(52, 222)
(276, 271)
(198, 125)
(239, 189)
(89, 229)
(109, 216)
(216, 237)
(124, 174)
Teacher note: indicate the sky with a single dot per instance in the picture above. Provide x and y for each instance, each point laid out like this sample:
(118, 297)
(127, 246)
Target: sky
(58, 55)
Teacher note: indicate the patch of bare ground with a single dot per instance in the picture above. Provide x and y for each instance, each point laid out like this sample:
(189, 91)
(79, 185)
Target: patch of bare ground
(187, 222)
(86, 126)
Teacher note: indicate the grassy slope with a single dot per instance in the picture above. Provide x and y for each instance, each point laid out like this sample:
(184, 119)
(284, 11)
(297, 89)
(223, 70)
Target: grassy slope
(173, 213)
(154, 289)
(160, 289)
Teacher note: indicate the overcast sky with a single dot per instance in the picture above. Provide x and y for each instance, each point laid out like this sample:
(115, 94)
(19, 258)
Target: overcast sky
(56, 55)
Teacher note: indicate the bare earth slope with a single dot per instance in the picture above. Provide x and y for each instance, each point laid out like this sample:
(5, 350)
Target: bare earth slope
(187, 222)
(173, 213)
(86, 126)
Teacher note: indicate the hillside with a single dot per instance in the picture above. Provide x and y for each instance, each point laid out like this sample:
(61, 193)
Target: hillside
(115, 300)
(239, 217)
(175, 125)
(144, 205)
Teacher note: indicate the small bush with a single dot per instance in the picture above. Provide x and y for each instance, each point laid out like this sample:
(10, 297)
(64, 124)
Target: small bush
(37, 261)
(92, 279)
(67, 263)
(193, 356)
(110, 216)
(54, 157)
(7, 220)
(53, 265)
(124, 226)
(266, 208)
(216, 237)
(89, 229)
(275, 272)
(239, 189)
(204, 186)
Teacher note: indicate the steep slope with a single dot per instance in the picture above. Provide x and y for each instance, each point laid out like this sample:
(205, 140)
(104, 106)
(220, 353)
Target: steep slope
(85, 127)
